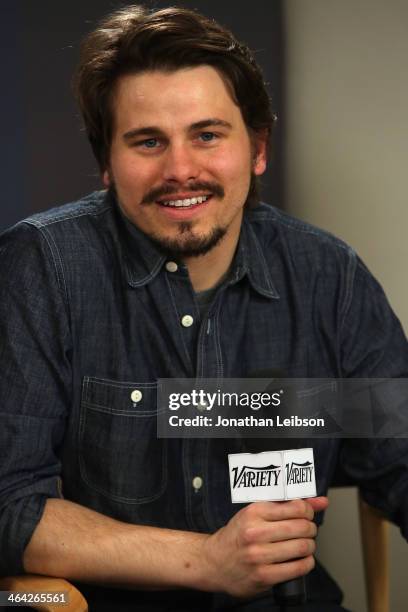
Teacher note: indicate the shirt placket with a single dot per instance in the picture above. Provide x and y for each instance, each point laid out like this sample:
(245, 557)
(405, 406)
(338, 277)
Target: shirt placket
(201, 340)
(209, 364)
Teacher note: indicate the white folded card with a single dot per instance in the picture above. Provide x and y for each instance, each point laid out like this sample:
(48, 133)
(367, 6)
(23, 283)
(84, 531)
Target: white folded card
(272, 475)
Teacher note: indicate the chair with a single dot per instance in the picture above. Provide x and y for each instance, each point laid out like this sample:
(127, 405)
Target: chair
(374, 536)
(31, 583)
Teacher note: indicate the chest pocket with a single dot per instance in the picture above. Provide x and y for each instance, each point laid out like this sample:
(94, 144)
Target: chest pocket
(120, 455)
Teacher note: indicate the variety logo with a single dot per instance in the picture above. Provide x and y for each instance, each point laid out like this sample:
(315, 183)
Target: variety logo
(298, 473)
(272, 475)
(248, 476)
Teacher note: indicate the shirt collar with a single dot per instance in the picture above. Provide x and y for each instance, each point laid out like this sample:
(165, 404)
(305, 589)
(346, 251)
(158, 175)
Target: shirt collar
(143, 259)
(250, 261)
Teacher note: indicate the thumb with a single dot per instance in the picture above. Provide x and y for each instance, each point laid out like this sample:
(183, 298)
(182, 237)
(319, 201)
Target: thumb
(318, 503)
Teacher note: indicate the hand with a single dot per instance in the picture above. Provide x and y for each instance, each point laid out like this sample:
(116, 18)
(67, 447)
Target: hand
(263, 544)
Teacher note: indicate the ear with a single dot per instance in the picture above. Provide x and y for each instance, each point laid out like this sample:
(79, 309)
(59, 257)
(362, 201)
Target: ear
(106, 179)
(260, 143)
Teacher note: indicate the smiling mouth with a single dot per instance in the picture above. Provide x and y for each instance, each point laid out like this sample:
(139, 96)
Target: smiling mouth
(185, 203)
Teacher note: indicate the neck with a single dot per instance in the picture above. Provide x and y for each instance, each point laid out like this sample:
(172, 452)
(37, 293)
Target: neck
(208, 270)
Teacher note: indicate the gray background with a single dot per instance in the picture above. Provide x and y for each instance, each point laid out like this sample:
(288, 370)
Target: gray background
(346, 152)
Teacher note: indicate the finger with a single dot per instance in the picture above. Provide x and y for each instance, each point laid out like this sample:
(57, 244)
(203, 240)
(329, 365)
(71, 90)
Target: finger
(276, 531)
(280, 552)
(271, 574)
(280, 511)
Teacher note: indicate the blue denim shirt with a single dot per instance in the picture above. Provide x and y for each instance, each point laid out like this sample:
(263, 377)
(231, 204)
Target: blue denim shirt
(90, 313)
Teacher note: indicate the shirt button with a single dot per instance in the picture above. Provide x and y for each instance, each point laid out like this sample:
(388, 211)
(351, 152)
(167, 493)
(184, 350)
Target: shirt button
(187, 321)
(202, 406)
(197, 482)
(136, 396)
(171, 266)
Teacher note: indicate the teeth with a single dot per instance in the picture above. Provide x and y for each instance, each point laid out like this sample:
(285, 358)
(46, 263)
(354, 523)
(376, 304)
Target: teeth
(187, 202)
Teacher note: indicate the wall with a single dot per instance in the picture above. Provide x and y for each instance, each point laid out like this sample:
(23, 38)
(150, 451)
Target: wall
(47, 160)
(346, 171)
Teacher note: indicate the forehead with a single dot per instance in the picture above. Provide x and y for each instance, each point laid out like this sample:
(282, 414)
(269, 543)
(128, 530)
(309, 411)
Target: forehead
(171, 99)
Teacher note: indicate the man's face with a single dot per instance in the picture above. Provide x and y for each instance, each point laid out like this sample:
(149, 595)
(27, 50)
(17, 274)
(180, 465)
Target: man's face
(181, 158)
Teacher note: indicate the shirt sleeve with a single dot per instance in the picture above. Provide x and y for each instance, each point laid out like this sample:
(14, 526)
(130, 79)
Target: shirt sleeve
(35, 384)
(374, 345)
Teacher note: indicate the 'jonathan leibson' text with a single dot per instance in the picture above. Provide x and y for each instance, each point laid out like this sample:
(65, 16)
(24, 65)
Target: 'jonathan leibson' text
(252, 421)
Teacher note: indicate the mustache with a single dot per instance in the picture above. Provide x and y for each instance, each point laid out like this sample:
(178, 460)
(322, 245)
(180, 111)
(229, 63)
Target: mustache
(165, 190)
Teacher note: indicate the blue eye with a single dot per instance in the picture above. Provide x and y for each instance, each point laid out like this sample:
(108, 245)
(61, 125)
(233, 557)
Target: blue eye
(207, 136)
(150, 143)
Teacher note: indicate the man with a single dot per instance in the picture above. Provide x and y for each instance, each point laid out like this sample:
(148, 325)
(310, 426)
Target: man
(175, 270)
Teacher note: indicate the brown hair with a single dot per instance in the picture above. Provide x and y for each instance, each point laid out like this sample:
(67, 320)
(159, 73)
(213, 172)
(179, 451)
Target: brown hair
(135, 39)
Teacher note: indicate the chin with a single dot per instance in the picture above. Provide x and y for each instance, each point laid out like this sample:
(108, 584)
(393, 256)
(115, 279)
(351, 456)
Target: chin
(190, 245)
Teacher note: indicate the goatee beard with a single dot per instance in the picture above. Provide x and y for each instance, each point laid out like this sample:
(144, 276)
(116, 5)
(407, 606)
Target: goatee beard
(188, 245)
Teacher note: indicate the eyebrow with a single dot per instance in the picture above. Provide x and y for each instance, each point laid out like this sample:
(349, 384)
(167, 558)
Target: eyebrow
(151, 130)
(199, 125)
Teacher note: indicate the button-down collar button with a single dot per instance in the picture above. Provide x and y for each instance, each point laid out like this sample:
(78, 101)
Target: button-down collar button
(136, 396)
(187, 321)
(197, 483)
(171, 266)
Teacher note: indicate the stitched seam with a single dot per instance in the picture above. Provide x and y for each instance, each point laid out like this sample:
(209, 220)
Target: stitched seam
(204, 463)
(327, 237)
(149, 277)
(123, 412)
(119, 385)
(351, 271)
(178, 322)
(52, 246)
(206, 494)
(82, 466)
(187, 480)
(270, 288)
(201, 343)
(220, 364)
(45, 223)
(202, 352)
(119, 498)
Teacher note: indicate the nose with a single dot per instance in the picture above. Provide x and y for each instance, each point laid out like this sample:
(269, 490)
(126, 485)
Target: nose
(180, 164)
